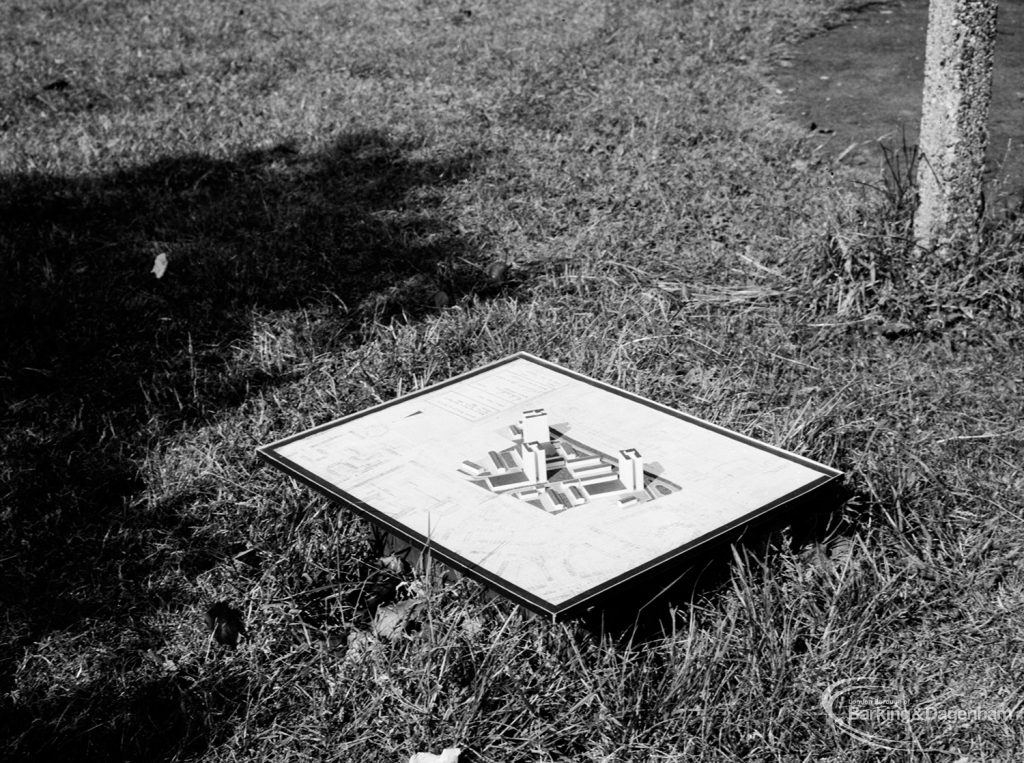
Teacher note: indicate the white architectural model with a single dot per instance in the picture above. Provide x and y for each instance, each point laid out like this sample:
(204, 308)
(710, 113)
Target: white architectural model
(549, 486)
(533, 426)
(554, 472)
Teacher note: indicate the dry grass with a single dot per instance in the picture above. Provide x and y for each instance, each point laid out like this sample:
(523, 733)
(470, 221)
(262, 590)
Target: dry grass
(316, 175)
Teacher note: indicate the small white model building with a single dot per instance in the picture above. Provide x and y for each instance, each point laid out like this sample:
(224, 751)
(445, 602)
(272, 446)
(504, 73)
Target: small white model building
(534, 425)
(631, 469)
(534, 463)
(471, 468)
(554, 472)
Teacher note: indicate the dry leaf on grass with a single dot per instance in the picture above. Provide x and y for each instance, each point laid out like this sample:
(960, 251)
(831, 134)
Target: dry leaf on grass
(448, 755)
(394, 620)
(360, 646)
(396, 564)
(159, 265)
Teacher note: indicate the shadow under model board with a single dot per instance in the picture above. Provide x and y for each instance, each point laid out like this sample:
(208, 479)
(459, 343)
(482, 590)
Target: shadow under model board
(549, 486)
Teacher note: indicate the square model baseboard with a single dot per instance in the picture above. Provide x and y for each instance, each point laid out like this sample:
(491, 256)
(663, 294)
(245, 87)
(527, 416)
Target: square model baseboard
(551, 487)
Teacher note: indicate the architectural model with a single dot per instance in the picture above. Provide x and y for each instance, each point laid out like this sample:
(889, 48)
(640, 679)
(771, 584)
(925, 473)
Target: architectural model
(549, 486)
(550, 470)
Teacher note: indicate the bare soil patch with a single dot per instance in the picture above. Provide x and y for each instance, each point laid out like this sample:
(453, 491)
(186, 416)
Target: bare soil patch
(859, 85)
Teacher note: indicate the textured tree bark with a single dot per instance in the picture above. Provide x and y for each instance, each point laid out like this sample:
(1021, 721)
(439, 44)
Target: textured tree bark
(954, 120)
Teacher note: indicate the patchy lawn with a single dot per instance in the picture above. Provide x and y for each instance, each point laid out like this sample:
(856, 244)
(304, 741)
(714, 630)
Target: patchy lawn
(330, 186)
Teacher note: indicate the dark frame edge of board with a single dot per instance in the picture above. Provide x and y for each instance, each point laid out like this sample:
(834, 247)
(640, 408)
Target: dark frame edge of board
(605, 590)
(586, 600)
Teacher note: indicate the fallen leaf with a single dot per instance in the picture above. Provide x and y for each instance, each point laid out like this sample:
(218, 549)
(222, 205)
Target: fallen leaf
(160, 265)
(395, 564)
(448, 755)
(411, 589)
(394, 620)
(360, 646)
(472, 626)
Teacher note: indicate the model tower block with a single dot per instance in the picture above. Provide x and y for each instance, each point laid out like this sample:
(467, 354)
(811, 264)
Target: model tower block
(555, 472)
(534, 426)
(534, 463)
(631, 469)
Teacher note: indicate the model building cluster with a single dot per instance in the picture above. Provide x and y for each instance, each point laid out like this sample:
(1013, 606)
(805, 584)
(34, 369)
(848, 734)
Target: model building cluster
(554, 472)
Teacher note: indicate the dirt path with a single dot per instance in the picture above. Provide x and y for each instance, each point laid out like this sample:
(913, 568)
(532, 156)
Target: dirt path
(861, 82)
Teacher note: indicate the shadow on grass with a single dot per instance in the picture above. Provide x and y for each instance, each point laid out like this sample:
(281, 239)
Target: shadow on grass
(99, 357)
(166, 718)
(648, 611)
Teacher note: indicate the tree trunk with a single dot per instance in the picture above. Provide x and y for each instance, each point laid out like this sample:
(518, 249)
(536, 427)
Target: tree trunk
(954, 120)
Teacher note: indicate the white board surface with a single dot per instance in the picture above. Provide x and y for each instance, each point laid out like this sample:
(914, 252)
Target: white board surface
(448, 466)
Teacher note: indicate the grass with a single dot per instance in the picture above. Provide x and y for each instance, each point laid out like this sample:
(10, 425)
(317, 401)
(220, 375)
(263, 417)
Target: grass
(316, 174)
